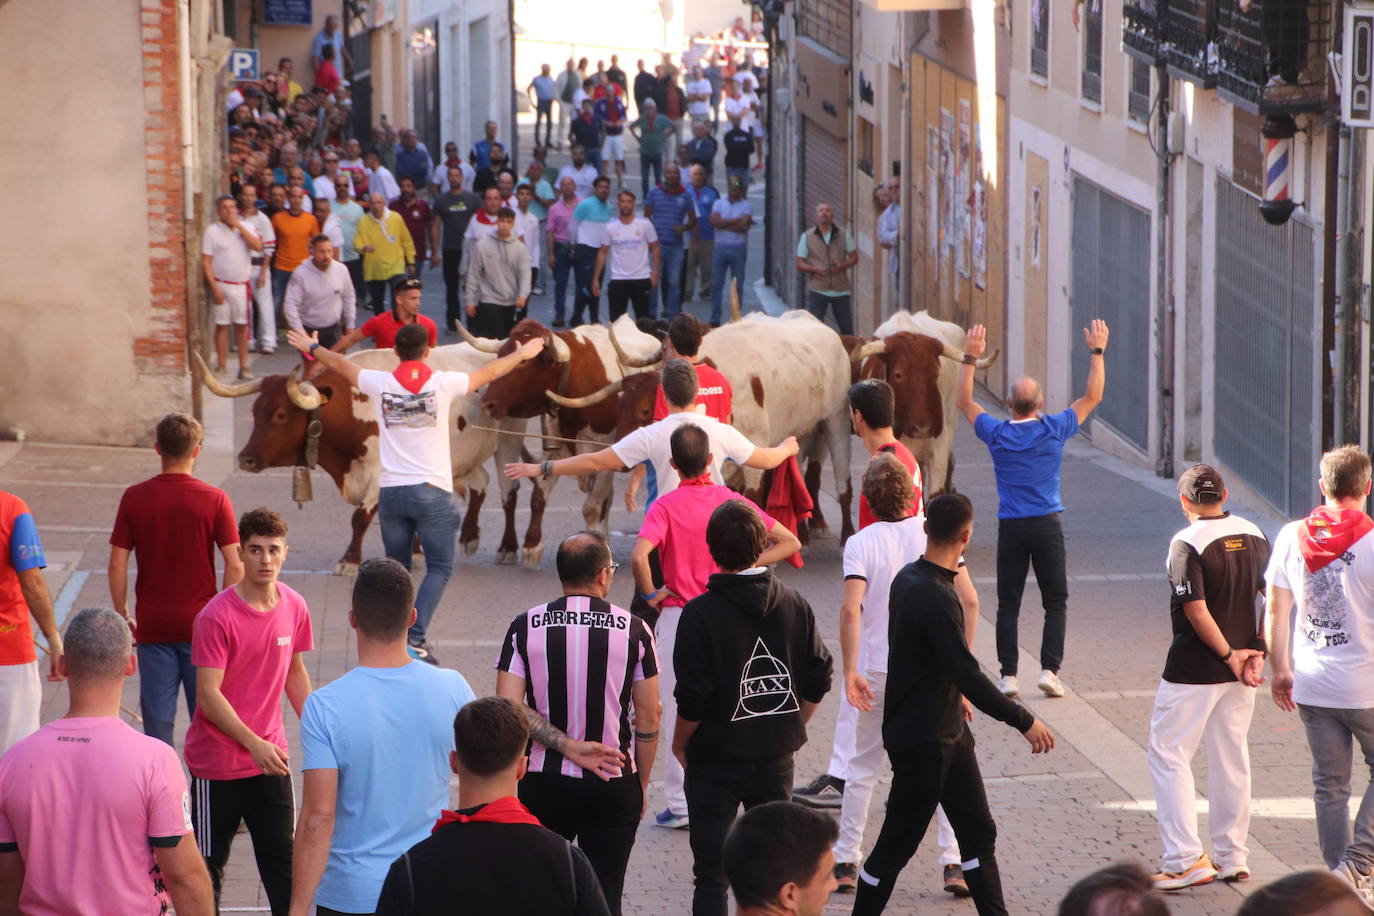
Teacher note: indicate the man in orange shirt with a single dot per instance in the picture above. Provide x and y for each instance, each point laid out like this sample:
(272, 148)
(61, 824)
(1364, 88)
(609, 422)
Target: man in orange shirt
(295, 228)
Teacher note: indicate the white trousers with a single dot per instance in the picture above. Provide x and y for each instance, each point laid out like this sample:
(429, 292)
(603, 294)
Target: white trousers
(665, 633)
(861, 769)
(21, 695)
(267, 312)
(1184, 715)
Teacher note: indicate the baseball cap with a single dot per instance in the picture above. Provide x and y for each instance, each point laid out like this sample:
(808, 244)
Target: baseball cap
(1201, 484)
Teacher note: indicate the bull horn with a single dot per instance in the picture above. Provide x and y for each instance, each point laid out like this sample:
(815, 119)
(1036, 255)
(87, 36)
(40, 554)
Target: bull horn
(734, 303)
(872, 348)
(631, 362)
(482, 344)
(303, 394)
(561, 353)
(587, 400)
(219, 388)
(951, 353)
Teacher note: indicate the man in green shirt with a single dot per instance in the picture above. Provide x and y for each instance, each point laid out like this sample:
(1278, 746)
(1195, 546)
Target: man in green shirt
(651, 130)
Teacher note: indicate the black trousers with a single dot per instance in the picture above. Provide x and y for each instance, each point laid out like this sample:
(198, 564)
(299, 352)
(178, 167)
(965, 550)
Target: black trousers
(355, 272)
(620, 294)
(328, 336)
(326, 911)
(453, 288)
(715, 791)
(1021, 544)
(937, 774)
(492, 320)
(601, 816)
(379, 291)
(584, 270)
(266, 805)
(638, 606)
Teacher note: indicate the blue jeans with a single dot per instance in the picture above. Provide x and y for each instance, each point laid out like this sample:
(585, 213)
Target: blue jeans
(562, 268)
(726, 257)
(670, 277)
(1329, 736)
(425, 510)
(162, 668)
(649, 161)
(279, 280)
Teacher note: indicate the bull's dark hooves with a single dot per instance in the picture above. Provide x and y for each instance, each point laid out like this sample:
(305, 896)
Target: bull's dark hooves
(505, 557)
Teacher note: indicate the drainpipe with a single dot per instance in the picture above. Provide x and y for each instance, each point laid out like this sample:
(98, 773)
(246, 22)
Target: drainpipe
(1344, 292)
(190, 238)
(1164, 466)
(906, 260)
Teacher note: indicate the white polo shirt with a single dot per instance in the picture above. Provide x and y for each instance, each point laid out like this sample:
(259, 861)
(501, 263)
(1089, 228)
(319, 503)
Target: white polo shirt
(231, 258)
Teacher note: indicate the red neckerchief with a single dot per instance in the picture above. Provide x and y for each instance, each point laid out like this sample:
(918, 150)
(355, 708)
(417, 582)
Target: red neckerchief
(682, 188)
(484, 219)
(412, 375)
(703, 481)
(506, 810)
(1327, 533)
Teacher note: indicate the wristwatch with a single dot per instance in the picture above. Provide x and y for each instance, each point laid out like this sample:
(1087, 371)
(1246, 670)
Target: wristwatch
(314, 346)
(1096, 351)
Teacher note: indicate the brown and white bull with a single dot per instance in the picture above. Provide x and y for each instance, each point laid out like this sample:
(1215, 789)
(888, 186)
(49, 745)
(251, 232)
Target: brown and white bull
(790, 377)
(919, 357)
(576, 382)
(348, 447)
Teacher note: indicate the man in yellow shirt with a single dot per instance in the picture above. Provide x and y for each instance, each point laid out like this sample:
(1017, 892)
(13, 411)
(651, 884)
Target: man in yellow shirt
(388, 251)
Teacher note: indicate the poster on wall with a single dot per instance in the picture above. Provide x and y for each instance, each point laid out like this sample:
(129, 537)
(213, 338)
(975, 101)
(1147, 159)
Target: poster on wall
(946, 184)
(963, 190)
(1035, 227)
(932, 192)
(979, 205)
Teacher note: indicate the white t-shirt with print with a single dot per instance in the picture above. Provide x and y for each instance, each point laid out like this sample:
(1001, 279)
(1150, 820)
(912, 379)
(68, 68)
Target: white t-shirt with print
(652, 444)
(876, 553)
(629, 244)
(413, 427)
(739, 106)
(1333, 621)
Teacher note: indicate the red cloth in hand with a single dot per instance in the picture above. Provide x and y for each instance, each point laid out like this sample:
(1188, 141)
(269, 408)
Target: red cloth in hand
(788, 500)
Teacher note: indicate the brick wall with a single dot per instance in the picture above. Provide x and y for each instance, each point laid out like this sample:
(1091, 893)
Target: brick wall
(163, 349)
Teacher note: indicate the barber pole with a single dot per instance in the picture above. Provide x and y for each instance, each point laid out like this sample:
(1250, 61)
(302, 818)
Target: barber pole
(1278, 133)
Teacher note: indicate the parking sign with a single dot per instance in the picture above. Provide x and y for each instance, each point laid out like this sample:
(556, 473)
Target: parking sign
(243, 64)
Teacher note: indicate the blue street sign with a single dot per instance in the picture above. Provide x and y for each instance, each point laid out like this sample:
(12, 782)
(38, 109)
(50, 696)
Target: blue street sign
(243, 64)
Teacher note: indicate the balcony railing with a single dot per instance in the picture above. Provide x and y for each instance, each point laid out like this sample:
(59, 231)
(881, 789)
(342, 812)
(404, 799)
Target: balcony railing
(1142, 31)
(1189, 33)
(1272, 56)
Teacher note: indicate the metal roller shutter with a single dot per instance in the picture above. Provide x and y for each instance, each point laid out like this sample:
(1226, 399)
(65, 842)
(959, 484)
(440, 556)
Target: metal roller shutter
(824, 159)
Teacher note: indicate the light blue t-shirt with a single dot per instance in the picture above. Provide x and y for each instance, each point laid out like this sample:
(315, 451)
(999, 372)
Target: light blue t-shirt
(349, 214)
(544, 190)
(1026, 457)
(726, 208)
(388, 731)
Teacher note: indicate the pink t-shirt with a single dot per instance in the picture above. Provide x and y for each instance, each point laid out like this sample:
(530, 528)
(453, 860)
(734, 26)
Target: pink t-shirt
(676, 525)
(84, 801)
(255, 649)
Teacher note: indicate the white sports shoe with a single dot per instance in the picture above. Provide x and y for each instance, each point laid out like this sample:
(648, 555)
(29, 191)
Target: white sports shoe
(1008, 686)
(1050, 685)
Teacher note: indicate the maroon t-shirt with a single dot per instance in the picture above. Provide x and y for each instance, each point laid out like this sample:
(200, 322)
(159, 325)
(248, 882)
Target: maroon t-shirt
(173, 523)
(416, 217)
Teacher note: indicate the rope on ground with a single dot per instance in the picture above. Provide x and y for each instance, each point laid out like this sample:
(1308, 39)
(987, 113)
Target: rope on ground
(511, 432)
(122, 708)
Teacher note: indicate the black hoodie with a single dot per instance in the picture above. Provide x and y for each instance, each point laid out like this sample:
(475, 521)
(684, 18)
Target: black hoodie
(748, 655)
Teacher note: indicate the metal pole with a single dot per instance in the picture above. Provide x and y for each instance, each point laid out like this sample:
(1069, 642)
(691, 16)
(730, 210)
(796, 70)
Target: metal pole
(1343, 290)
(1164, 467)
(906, 260)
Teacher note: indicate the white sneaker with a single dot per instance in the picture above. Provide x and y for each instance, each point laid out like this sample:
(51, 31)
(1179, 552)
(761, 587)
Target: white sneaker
(1050, 685)
(1008, 686)
(1362, 883)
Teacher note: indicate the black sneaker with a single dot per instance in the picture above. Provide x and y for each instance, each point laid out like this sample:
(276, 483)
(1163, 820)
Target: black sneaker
(825, 791)
(953, 877)
(423, 652)
(846, 877)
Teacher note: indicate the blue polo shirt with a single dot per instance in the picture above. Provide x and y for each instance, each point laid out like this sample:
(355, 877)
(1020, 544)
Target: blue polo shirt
(1026, 456)
(670, 210)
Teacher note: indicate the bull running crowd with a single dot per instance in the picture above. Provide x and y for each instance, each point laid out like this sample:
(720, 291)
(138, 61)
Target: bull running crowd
(720, 660)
